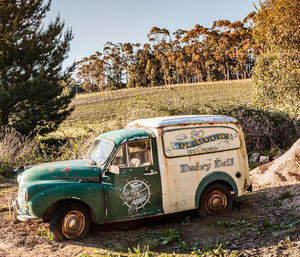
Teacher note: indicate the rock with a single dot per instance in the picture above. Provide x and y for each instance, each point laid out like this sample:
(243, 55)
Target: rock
(263, 159)
(254, 157)
(285, 170)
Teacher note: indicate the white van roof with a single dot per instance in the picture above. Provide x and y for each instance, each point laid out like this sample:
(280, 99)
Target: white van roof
(159, 122)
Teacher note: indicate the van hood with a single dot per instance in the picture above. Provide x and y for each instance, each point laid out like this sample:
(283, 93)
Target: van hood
(66, 170)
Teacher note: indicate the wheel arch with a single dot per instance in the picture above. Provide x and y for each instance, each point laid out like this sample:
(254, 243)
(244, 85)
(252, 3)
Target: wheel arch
(219, 177)
(53, 207)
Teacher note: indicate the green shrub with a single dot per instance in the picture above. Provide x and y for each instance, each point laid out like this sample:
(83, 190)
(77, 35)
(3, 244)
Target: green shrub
(263, 129)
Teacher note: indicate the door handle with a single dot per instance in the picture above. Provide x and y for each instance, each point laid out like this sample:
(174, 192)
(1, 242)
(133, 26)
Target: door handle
(152, 172)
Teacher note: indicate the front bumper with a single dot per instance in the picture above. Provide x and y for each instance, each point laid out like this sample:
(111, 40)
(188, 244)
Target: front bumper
(18, 215)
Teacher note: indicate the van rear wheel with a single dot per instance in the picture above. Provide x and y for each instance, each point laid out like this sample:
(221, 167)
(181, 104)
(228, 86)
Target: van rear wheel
(215, 199)
(70, 221)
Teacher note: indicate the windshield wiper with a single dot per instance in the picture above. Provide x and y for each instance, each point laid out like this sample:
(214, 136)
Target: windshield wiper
(91, 161)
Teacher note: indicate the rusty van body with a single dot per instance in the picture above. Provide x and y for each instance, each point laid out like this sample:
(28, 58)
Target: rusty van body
(154, 166)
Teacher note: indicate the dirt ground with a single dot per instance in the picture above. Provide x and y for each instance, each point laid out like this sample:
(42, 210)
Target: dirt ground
(265, 222)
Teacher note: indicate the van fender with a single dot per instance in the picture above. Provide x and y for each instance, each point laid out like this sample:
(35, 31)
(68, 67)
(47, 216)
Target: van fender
(214, 177)
(89, 193)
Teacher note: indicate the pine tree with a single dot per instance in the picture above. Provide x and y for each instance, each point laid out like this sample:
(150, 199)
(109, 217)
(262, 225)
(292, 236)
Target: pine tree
(31, 56)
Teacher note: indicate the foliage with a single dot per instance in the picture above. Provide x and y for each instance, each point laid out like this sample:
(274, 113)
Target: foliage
(218, 250)
(140, 252)
(44, 234)
(285, 195)
(15, 149)
(31, 56)
(263, 129)
(225, 51)
(168, 236)
(277, 71)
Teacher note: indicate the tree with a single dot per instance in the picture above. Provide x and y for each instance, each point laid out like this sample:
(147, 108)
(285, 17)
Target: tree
(91, 73)
(223, 52)
(277, 71)
(31, 56)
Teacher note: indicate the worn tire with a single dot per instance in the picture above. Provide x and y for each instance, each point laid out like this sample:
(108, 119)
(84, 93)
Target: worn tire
(215, 199)
(71, 220)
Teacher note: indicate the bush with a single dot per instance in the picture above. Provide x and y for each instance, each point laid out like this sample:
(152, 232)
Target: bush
(276, 80)
(263, 129)
(14, 149)
(277, 70)
(17, 150)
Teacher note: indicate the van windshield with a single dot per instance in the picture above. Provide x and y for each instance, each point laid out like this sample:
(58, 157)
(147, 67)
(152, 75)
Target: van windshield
(100, 150)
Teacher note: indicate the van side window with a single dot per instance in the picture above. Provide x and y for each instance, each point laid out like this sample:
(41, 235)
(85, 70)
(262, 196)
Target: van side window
(139, 153)
(121, 157)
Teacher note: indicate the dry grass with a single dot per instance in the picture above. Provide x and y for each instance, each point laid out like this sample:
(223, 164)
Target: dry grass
(104, 111)
(14, 149)
(13, 145)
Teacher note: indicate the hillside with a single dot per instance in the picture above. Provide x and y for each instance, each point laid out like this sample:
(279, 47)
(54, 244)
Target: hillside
(114, 109)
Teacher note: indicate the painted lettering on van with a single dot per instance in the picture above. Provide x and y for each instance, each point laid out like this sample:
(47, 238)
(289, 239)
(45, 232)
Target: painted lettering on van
(218, 163)
(201, 141)
(186, 167)
(201, 150)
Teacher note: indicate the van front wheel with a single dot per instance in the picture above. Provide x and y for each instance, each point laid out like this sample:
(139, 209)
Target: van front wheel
(215, 199)
(70, 221)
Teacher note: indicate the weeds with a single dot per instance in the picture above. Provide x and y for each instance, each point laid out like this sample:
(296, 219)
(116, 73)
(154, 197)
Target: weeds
(285, 227)
(140, 252)
(277, 202)
(216, 250)
(44, 234)
(168, 236)
(186, 221)
(237, 223)
(285, 195)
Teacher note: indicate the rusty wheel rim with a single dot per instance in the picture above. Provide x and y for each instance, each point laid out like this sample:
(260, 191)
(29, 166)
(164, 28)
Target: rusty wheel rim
(216, 202)
(73, 224)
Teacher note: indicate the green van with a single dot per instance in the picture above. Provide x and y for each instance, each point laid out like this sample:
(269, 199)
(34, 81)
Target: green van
(154, 166)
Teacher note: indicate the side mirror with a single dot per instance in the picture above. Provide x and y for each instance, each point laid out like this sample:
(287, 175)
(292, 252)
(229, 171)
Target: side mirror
(114, 169)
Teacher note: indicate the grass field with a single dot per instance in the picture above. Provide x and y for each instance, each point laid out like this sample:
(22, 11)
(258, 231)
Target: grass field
(111, 110)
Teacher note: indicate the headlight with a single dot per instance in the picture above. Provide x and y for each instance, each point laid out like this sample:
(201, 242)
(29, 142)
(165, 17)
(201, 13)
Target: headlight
(19, 178)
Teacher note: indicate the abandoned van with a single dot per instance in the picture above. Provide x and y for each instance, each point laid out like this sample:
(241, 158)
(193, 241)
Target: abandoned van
(154, 166)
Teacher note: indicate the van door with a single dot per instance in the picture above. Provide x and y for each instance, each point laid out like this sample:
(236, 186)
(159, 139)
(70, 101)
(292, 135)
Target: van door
(136, 191)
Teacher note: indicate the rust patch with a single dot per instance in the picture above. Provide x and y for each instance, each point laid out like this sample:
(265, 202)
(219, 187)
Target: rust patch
(292, 174)
(51, 169)
(264, 167)
(282, 178)
(66, 170)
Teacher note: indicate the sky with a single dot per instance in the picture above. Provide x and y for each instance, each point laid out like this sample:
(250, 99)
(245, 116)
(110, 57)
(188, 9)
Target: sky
(94, 22)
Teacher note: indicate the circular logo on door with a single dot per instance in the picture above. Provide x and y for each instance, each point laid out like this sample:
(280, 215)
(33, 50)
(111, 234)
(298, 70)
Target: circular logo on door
(136, 195)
